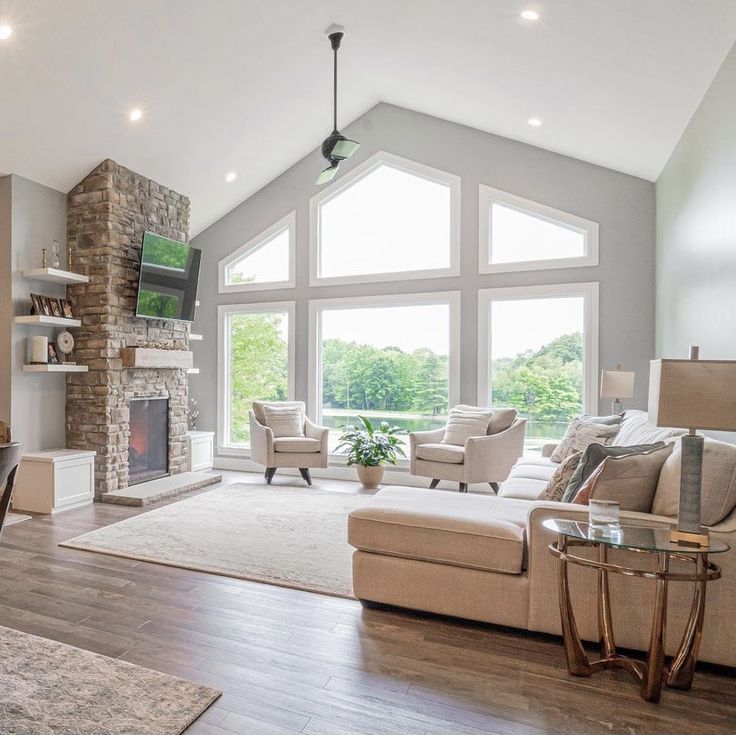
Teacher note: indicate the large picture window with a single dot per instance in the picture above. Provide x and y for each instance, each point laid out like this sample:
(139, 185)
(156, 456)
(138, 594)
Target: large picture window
(517, 234)
(389, 218)
(256, 353)
(386, 358)
(538, 354)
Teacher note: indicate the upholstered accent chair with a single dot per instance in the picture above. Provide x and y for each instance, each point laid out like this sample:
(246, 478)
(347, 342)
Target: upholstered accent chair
(9, 459)
(281, 435)
(485, 457)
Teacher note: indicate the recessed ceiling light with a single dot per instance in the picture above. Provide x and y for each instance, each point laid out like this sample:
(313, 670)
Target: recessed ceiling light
(535, 122)
(530, 15)
(230, 176)
(5, 31)
(136, 114)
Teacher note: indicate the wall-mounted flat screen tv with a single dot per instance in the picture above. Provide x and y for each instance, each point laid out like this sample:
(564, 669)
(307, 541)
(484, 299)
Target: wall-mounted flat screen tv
(168, 282)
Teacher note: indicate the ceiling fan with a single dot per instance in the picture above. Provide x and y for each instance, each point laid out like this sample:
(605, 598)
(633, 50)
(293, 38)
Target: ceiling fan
(335, 147)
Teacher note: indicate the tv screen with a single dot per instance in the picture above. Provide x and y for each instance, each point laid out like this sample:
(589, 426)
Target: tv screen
(168, 280)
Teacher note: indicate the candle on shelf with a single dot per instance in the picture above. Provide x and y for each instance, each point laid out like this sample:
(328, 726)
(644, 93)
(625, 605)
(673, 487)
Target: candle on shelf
(39, 350)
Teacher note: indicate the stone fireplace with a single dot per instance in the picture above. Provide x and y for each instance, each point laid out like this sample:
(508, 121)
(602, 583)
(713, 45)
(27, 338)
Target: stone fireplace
(148, 442)
(107, 215)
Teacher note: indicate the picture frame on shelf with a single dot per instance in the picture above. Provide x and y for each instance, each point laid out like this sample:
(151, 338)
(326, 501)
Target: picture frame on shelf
(66, 308)
(36, 305)
(53, 355)
(46, 306)
(55, 307)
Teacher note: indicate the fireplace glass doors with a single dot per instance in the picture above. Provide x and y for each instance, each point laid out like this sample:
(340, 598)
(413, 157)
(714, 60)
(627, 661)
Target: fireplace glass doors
(148, 446)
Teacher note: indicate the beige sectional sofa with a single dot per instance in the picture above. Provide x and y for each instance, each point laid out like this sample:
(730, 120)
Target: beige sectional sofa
(486, 557)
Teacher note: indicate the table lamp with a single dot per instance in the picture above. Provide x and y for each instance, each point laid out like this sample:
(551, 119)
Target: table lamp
(617, 384)
(692, 394)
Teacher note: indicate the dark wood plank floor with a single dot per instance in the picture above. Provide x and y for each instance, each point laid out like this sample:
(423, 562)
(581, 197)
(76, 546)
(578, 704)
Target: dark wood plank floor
(294, 662)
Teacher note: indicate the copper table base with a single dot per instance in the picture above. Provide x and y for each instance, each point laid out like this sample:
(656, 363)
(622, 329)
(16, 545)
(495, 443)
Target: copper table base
(653, 672)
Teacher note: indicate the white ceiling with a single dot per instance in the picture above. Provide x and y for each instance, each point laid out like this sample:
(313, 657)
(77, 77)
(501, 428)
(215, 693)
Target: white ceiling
(244, 85)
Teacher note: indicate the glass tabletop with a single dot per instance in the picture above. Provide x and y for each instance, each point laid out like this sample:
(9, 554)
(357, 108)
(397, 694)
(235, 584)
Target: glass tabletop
(631, 536)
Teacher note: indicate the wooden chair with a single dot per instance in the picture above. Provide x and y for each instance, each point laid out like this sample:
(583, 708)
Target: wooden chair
(9, 459)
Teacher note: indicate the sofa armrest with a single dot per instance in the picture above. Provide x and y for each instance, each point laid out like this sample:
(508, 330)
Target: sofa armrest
(313, 431)
(549, 448)
(490, 458)
(261, 442)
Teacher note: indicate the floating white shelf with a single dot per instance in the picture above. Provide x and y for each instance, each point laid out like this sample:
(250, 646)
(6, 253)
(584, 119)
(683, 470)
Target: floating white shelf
(55, 275)
(193, 371)
(60, 368)
(195, 337)
(52, 321)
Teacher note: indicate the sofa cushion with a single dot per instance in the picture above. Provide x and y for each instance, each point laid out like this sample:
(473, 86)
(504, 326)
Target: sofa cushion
(441, 453)
(580, 434)
(592, 457)
(296, 444)
(474, 531)
(528, 477)
(630, 479)
(636, 429)
(558, 483)
(464, 422)
(718, 497)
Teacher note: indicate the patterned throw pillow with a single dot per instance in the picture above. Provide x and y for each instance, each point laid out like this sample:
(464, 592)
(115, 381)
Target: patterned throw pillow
(630, 479)
(285, 420)
(465, 422)
(580, 434)
(559, 481)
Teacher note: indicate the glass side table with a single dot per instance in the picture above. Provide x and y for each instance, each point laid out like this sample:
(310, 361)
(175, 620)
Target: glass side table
(653, 672)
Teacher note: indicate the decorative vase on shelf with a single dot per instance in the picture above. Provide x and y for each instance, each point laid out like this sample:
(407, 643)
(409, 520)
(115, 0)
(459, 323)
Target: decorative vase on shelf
(55, 262)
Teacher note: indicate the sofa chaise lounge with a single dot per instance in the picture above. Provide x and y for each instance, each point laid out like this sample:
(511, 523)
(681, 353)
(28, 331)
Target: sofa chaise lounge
(486, 558)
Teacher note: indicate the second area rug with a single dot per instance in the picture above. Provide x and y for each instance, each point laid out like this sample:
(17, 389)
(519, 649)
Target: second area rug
(288, 536)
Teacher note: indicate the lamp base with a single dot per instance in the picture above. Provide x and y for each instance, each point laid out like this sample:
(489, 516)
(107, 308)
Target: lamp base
(687, 538)
(617, 407)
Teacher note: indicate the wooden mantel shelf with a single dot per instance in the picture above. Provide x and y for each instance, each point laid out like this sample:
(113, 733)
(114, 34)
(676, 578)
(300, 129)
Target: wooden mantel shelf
(148, 357)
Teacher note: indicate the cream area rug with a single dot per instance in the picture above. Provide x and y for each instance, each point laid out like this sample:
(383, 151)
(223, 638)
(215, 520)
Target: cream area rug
(49, 688)
(288, 536)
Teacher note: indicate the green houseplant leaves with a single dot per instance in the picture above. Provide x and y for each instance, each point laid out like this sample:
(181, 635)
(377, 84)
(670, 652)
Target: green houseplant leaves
(371, 447)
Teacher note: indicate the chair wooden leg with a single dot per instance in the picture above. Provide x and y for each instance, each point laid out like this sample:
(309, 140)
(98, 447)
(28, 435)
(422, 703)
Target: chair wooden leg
(463, 487)
(494, 487)
(270, 472)
(305, 474)
(433, 484)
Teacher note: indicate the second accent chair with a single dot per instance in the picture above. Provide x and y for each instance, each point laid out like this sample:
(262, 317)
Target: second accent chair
(281, 435)
(477, 445)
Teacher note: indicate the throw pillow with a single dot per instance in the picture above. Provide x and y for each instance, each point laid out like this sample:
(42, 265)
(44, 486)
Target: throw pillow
(464, 422)
(285, 420)
(501, 420)
(559, 481)
(580, 434)
(613, 420)
(593, 455)
(631, 479)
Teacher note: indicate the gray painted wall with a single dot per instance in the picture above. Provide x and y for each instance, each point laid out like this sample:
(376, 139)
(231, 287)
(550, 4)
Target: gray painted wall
(37, 410)
(696, 230)
(6, 299)
(623, 206)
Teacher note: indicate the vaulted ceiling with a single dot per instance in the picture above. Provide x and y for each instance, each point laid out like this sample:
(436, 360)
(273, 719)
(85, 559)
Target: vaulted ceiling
(244, 85)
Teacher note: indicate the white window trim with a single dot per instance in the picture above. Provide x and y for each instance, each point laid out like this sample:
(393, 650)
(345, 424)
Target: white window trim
(317, 306)
(589, 292)
(402, 164)
(223, 374)
(285, 224)
(487, 196)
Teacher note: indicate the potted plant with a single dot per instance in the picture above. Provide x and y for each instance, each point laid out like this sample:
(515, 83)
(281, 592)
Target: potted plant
(370, 448)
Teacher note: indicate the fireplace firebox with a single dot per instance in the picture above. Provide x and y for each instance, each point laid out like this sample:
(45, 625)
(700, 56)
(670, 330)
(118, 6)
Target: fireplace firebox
(148, 446)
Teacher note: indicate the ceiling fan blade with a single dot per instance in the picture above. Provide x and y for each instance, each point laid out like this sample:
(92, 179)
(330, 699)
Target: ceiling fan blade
(345, 148)
(327, 175)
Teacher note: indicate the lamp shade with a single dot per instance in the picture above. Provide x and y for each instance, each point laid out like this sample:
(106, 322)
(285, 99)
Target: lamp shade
(617, 384)
(693, 394)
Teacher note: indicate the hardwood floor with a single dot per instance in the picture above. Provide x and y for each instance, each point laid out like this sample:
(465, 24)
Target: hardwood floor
(290, 662)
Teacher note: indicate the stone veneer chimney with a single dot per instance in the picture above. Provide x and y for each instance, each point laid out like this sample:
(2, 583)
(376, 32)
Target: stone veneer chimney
(106, 217)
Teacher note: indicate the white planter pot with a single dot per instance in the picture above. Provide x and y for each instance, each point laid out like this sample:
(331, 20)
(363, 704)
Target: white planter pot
(370, 477)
